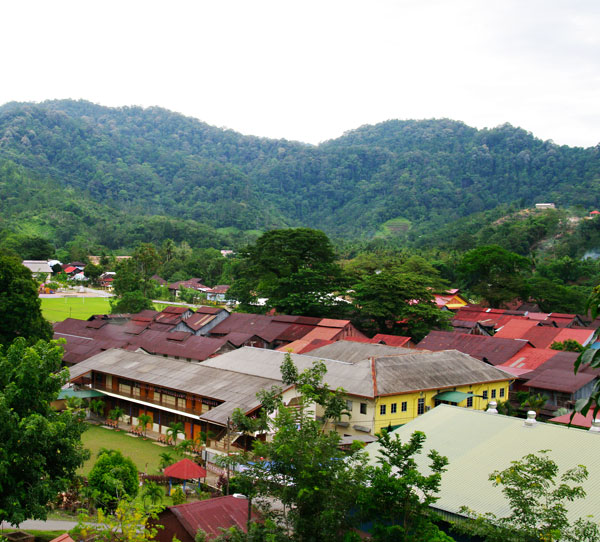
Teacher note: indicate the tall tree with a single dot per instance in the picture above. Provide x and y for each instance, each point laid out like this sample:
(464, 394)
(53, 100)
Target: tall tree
(494, 274)
(293, 269)
(538, 497)
(303, 466)
(40, 449)
(112, 478)
(19, 303)
(397, 496)
(398, 302)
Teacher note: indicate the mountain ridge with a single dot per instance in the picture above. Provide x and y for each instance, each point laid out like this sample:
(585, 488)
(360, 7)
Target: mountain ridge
(423, 174)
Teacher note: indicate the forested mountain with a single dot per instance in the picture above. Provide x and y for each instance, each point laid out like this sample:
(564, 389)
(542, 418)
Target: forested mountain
(117, 173)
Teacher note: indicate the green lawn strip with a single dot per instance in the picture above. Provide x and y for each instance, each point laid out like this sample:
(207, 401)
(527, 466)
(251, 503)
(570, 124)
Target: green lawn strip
(144, 453)
(58, 309)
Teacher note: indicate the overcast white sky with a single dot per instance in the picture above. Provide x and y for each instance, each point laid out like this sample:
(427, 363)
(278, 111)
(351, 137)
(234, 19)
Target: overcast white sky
(309, 70)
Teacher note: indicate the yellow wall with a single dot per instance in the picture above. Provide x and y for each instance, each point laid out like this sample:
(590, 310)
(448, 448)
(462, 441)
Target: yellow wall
(411, 399)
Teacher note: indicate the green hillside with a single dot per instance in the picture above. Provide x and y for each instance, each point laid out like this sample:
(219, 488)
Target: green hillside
(123, 175)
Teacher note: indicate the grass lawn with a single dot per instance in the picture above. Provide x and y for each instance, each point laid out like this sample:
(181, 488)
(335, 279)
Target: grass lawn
(144, 453)
(59, 308)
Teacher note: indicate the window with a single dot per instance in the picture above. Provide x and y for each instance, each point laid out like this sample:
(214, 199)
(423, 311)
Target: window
(348, 405)
(469, 401)
(501, 392)
(421, 406)
(485, 394)
(393, 408)
(381, 409)
(363, 408)
(404, 406)
(494, 393)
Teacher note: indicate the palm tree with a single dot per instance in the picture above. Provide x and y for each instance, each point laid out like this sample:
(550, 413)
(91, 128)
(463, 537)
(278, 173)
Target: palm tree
(185, 446)
(166, 459)
(116, 413)
(143, 421)
(174, 430)
(535, 403)
(97, 407)
(153, 492)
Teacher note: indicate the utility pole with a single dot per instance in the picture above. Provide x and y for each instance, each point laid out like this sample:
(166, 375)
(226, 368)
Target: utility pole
(227, 440)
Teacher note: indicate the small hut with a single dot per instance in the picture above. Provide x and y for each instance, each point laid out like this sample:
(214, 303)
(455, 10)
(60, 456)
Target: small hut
(185, 470)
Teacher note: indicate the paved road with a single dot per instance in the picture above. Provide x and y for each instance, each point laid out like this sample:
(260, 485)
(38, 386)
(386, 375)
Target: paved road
(39, 525)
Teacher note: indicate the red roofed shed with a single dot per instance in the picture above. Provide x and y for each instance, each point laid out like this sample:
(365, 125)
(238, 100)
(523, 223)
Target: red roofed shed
(184, 520)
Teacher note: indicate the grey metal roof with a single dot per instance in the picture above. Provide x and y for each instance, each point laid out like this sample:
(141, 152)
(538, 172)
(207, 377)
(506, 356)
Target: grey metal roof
(354, 378)
(352, 352)
(431, 370)
(234, 388)
(477, 444)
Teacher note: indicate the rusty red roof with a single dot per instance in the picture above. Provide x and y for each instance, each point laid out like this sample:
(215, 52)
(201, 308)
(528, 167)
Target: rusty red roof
(185, 469)
(175, 310)
(390, 340)
(491, 349)
(208, 310)
(541, 336)
(330, 322)
(212, 515)
(561, 380)
(579, 420)
(515, 329)
(199, 320)
(63, 538)
(529, 359)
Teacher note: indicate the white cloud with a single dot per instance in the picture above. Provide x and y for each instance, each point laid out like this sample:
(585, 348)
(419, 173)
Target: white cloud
(311, 70)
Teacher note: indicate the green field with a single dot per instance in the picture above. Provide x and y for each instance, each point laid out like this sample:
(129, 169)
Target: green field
(59, 308)
(144, 453)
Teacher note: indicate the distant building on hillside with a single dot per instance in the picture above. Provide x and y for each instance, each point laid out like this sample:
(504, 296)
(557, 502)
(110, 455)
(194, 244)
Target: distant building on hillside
(545, 206)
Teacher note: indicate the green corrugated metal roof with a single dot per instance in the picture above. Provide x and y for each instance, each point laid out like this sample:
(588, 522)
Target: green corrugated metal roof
(82, 394)
(477, 443)
(452, 396)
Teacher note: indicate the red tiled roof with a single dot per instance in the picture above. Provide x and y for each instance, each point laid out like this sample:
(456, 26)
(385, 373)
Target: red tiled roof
(491, 349)
(63, 538)
(70, 269)
(212, 515)
(185, 469)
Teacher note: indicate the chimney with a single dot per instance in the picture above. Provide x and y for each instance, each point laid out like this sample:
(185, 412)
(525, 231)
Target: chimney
(492, 408)
(530, 421)
(595, 428)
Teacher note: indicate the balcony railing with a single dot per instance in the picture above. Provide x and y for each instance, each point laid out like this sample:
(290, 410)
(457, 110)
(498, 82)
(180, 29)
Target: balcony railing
(145, 399)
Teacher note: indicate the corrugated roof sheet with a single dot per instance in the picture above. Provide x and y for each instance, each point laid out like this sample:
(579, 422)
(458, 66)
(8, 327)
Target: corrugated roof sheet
(233, 388)
(528, 359)
(352, 352)
(212, 515)
(515, 329)
(476, 444)
(354, 378)
(432, 370)
(495, 350)
(391, 340)
(561, 380)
